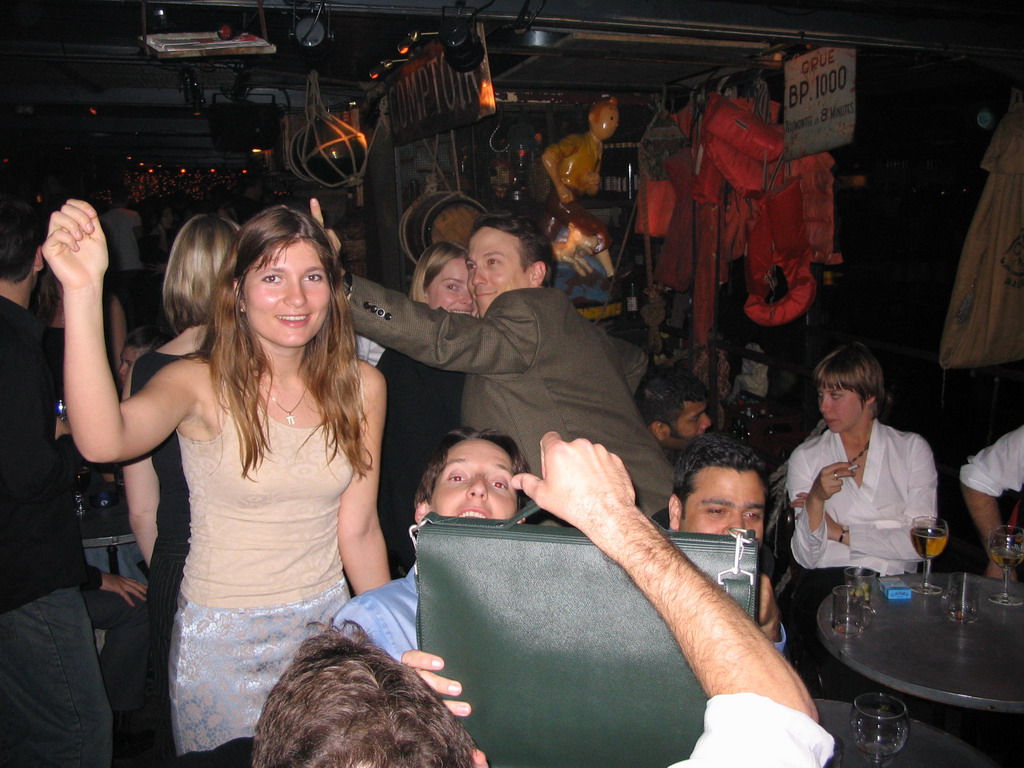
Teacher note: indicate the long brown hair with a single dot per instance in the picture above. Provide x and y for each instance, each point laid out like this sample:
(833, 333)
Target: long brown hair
(238, 363)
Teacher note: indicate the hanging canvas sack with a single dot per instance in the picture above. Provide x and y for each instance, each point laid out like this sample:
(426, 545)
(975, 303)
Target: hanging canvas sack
(986, 311)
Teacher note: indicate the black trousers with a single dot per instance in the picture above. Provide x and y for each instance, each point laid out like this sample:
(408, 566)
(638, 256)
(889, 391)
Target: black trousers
(165, 571)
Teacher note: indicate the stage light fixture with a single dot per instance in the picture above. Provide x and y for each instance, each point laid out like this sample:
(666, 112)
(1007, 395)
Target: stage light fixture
(412, 39)
(313, 33)
(384, 67)
(462, 47)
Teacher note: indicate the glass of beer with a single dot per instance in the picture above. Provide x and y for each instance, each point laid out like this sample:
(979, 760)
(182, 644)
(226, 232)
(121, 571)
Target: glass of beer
(929, 535)
(1006, 548)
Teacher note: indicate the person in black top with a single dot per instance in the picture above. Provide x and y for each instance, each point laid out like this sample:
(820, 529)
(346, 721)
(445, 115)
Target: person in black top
(424, 403)
(53, 708)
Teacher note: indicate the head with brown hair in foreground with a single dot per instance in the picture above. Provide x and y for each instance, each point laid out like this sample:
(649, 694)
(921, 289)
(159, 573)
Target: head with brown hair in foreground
(344, 703)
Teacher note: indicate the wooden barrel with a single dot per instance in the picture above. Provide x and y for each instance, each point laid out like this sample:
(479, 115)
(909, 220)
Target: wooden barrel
(436, 217)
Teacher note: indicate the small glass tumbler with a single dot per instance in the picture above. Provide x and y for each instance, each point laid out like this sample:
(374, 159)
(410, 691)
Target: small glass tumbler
(863, 580)
(960, 600)
(848, 612)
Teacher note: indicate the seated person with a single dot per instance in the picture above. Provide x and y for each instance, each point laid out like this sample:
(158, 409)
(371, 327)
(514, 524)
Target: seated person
(138, 342)
(985, 477)
(588, 487)
(719, 485)
(673, 404)
(468, 475)
(857, 487)
(343, 702)
(117, 605)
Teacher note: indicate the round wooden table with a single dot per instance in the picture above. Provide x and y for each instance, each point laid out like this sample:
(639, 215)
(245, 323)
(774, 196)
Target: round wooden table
(911, 646)
(926, 747)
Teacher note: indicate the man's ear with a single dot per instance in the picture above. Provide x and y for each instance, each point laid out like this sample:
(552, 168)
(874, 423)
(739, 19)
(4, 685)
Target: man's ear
(37, 261)
(659, 429)
(675, 513)
(422, 510)
(536, 273)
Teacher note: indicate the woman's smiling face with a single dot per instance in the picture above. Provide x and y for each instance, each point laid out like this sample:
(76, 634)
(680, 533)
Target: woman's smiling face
(286, 300)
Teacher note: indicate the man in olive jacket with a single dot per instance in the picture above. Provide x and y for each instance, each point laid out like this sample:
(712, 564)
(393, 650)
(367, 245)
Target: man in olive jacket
(534, 364)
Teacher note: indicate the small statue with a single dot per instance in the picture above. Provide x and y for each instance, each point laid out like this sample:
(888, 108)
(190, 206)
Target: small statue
(574, 165)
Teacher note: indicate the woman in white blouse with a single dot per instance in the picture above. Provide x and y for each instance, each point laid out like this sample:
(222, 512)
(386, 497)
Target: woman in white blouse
(858, 486)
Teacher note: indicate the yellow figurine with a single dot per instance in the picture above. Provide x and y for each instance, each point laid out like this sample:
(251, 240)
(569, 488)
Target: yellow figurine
(574, 166)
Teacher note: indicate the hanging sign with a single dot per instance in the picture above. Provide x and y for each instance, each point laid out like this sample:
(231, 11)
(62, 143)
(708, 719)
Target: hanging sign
(427, 96)
(821, 101)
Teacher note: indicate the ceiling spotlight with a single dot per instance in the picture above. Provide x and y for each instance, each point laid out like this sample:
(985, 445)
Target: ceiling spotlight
(411, 39)
(313, 33)
(462, 46)
(384, 67)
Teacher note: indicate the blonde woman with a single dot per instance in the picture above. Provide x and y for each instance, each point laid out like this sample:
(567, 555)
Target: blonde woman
(280, 428)
(157, 493)
(424, 403)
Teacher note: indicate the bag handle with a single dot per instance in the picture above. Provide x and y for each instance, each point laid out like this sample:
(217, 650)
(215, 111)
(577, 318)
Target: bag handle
(527, 509)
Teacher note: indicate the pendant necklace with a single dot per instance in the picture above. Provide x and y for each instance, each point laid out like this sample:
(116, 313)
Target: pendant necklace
(288, 413)
(852, 461)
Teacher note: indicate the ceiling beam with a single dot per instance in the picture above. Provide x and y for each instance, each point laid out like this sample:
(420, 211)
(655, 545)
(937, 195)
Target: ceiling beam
(911, 25)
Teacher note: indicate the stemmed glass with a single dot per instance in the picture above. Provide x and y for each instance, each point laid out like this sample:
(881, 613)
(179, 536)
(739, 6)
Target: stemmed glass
(1006, 548)
(929, 535)
(880, 726)
(83, 475)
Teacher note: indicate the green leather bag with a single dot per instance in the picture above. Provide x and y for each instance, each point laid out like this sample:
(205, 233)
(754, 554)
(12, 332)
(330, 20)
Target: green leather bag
(566, 663)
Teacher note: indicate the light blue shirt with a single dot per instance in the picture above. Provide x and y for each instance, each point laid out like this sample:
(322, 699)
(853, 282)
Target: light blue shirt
(387, 614)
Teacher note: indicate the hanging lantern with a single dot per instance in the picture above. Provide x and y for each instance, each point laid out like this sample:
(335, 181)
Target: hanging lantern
(329, 151)
(326, 149)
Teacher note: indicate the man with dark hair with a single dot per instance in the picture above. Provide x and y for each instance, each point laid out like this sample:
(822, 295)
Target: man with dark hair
(344, 703)
(468, 475)
(673, 404)
(719, 486)
(534, 362)
(53, 708)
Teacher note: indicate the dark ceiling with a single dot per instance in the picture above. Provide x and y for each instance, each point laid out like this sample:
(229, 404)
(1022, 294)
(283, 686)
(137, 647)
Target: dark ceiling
(73, 73)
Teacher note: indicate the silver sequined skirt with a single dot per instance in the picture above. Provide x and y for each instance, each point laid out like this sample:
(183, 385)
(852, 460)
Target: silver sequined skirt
(224, 661)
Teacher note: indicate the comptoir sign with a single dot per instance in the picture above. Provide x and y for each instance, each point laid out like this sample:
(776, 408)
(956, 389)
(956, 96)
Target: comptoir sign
(427, 96)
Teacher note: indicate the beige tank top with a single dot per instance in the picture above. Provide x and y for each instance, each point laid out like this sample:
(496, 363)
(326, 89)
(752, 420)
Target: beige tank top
(268, 539)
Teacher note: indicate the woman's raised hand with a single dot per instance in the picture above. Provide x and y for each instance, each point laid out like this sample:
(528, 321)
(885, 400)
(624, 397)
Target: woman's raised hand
(75, 247)
(830, 480)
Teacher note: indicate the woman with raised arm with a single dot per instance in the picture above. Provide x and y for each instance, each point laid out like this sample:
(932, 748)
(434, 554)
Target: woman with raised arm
(280, 428)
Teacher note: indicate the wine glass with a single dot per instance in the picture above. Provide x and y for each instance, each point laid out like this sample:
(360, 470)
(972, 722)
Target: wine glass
(880, 726)
(83, 476)
(1006, 548)
(929, 535)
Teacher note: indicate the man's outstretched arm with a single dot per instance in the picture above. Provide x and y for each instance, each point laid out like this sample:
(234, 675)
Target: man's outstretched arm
(588, 487)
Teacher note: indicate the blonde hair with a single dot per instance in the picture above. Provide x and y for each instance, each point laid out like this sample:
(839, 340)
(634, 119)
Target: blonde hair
(198, 251)
(329, 365)
(431, 262)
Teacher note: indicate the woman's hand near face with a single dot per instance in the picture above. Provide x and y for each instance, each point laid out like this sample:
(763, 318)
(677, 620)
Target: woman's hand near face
(830, 480)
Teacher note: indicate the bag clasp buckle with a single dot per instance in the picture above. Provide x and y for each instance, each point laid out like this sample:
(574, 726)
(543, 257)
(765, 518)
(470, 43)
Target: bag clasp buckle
(742, 541)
